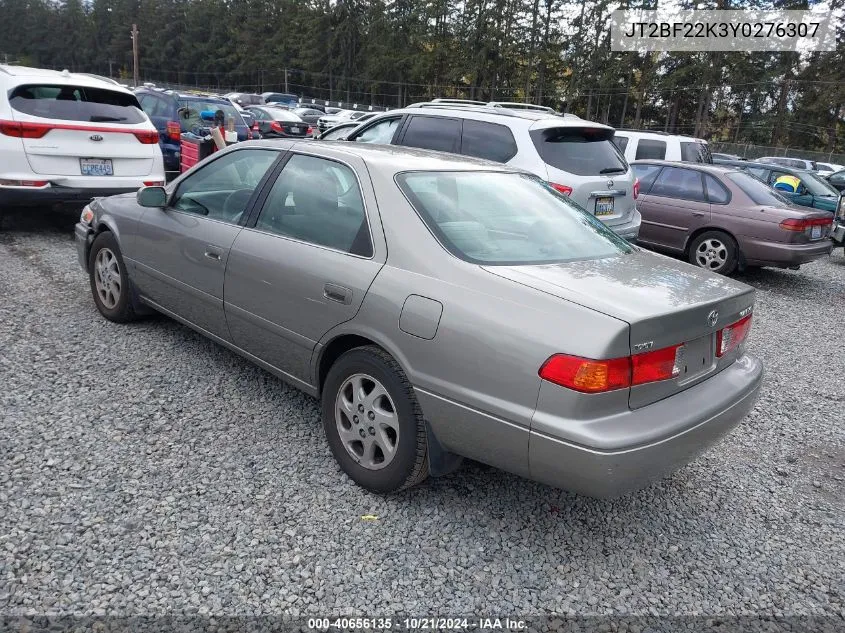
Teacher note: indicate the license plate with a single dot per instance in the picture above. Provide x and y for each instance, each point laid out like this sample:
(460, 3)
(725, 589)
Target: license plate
(294, 130)
(604, 206)
(816, 233)
(96, 167)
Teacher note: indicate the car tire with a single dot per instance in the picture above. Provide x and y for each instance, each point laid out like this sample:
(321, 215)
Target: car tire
(110, 285)
(715, 251)
(373, 422)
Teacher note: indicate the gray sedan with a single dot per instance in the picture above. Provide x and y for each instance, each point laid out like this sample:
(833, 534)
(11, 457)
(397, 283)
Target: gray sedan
(439, 307)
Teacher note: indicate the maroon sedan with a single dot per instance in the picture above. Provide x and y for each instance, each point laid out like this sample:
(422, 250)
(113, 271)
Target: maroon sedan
(721, 218)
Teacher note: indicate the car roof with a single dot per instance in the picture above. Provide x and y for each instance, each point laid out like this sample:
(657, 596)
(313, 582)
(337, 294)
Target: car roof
(750, 163)
(656, 134)
(534, 119)
(183, 95)
(24, 73)
(392, 158)
(705, 167)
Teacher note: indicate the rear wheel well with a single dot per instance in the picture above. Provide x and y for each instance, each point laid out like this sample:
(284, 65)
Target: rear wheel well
(705, 229)
(335, 349)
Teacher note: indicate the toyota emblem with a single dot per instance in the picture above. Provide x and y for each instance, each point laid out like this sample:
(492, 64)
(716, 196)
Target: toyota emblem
(609, 184)
(712, 318)
(96, 137)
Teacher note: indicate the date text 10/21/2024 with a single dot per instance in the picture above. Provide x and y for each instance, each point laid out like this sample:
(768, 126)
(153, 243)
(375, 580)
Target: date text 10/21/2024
(417, 624)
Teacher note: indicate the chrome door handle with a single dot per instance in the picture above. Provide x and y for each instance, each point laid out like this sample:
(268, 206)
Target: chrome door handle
(213, 255)
(341, 294)
(697, 214)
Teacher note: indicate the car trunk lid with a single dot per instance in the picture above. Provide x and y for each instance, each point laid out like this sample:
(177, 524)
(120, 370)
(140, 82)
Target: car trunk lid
(665, 303)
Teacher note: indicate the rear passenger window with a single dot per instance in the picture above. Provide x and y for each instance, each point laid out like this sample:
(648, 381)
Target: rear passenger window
(647, 148)
(77, 103)
(428, 132)
(674, 182)
(716, 191)
(487, 140)
(318, 201)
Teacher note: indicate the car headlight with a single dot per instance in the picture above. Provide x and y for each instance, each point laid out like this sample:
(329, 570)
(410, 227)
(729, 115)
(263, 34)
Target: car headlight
(87, 216)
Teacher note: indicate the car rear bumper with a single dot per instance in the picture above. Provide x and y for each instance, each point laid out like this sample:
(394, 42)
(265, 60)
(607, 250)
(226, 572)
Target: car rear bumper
(703, 413)
(629, 230)
(50, 195)
(765, 253)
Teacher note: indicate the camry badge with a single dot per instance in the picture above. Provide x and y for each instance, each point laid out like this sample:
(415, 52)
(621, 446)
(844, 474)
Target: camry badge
(96, 137)
(712, 318)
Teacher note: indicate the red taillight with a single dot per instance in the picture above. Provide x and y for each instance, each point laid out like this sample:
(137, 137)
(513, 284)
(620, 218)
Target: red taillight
(793, 224)
(661, 364)
(153, 183)
(595, 376)
(174, 130)
(587, 375)
(636, 188)
(276, 127)
(255, 127)
(309, 131)
(23, 130)
(561, 188)
(147, 137)
(732, 336)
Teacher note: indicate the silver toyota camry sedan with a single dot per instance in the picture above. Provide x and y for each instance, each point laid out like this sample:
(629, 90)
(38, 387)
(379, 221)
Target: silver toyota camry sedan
(439, 307)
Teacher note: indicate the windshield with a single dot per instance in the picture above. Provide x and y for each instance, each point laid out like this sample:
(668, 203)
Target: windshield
(818, 186)
(190, 111)
(77, 103)
(277, 114)
(584, 151)
(505, 218)
(757, 190)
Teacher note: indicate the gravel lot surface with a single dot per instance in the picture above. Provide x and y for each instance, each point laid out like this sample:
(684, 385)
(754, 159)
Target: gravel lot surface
(145, 470)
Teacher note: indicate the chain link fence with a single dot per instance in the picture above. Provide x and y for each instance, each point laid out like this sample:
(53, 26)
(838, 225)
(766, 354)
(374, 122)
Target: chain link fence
(751, 151)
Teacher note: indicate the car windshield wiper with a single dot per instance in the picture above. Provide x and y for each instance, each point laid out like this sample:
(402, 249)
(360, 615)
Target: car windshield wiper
(613, 170)
(106, 119)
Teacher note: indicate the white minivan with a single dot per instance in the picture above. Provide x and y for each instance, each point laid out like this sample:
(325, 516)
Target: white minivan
(639, 145)
(66, 138)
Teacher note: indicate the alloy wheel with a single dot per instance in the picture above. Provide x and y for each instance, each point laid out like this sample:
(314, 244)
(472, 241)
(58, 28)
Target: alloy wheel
(711, 254)
(107, 278)
(367, 421)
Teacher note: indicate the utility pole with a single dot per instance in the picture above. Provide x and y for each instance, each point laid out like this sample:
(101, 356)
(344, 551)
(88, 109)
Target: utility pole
(111, 61)
(135, 53)
(286, 79)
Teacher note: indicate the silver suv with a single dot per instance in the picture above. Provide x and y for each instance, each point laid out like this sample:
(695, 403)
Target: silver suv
(576, 157)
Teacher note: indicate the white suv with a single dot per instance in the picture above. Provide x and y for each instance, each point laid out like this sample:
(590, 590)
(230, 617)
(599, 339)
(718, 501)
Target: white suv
(638, 145)
(576, 157)
(66, 138)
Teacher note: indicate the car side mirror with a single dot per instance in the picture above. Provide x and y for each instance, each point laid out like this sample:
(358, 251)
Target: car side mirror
(152, 197)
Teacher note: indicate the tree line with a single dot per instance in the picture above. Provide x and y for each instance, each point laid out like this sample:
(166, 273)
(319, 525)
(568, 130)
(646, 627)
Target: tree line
(395, 52)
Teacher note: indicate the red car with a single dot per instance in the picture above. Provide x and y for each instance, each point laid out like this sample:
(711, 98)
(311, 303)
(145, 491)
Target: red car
(721, 218)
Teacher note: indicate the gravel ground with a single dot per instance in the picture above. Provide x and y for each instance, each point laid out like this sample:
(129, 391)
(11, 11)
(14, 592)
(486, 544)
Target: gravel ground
(145, 470)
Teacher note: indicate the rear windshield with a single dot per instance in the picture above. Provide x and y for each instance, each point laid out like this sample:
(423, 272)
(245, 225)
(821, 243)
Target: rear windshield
(506, 219)
(77, 103)
(579, 150)
(278, 114)
(695, 152)
(818, 186)
(190, 112)
(757, 190)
